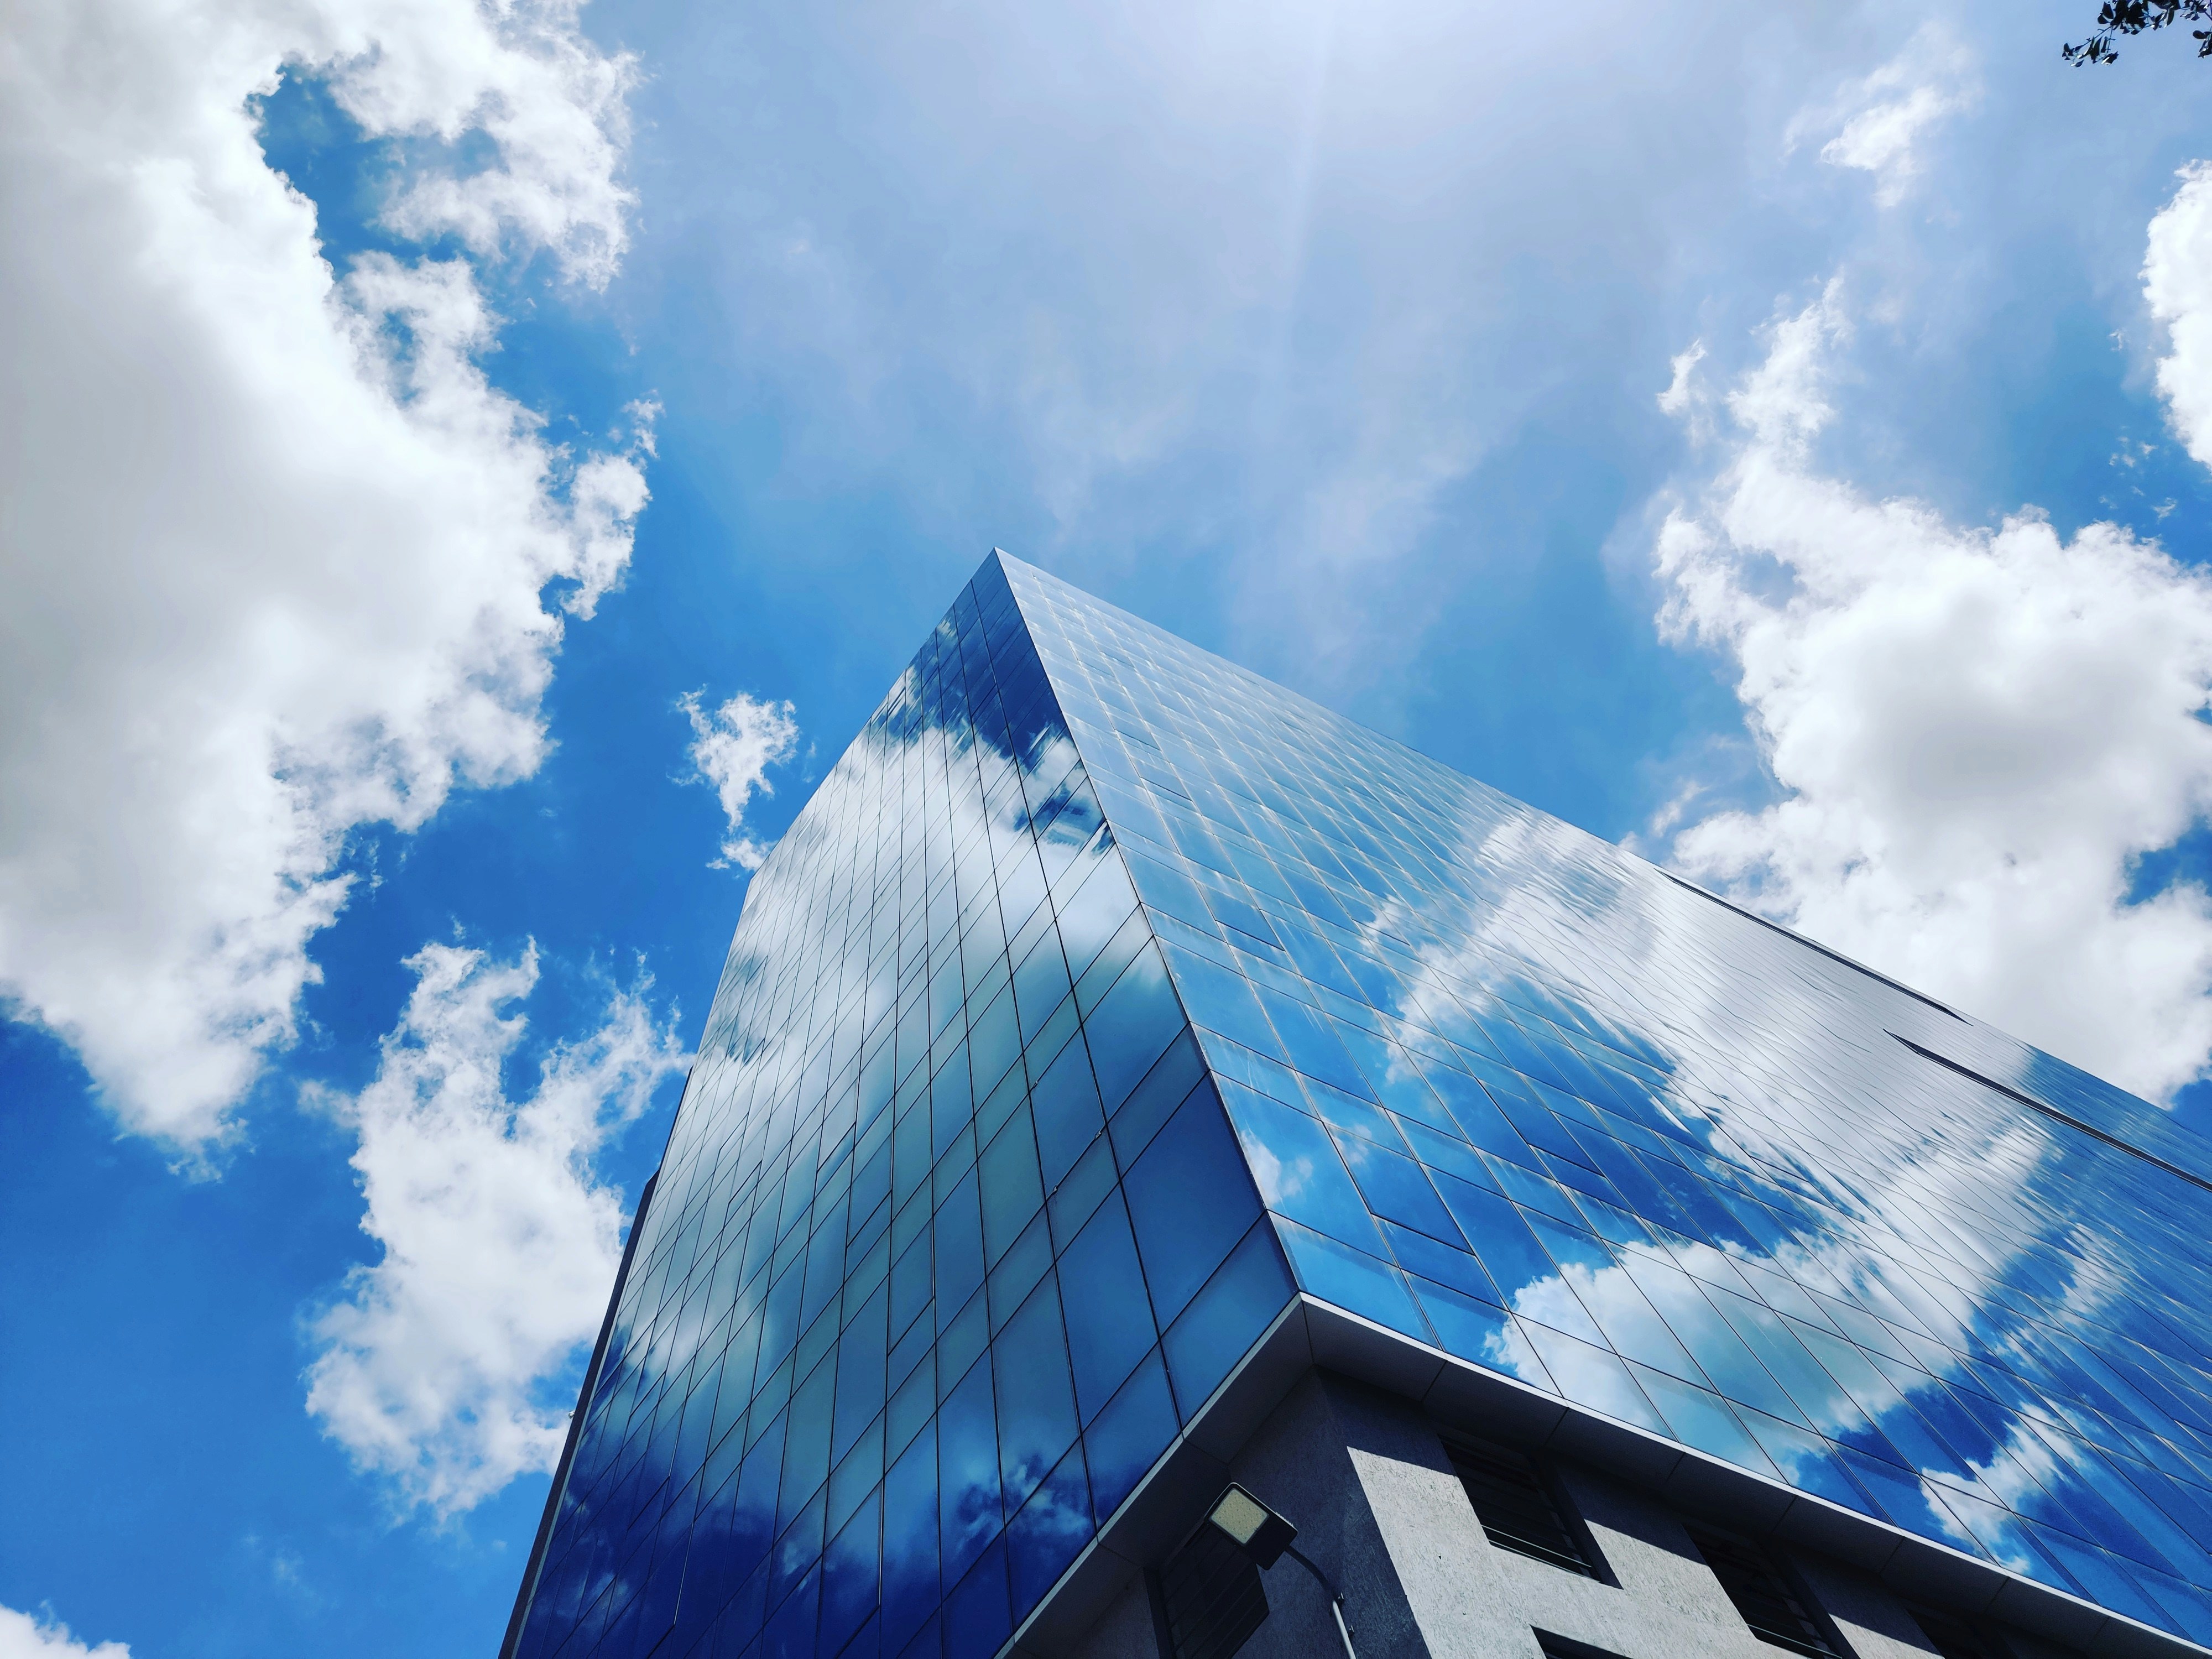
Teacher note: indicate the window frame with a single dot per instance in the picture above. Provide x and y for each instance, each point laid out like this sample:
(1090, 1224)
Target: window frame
(1825, 1640)
(1504, 1462)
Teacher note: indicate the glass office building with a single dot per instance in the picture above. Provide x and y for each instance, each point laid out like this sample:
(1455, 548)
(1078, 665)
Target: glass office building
(1116, 1039)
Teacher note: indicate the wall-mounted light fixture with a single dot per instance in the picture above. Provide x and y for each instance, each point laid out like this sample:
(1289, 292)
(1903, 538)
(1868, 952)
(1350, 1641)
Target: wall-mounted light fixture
(1266, 1537)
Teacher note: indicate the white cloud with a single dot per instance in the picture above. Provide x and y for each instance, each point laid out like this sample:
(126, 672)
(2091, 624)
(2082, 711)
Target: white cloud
(1976, 734)
(499, 1243)
(1880, 122)
(2178, 284)
(1675, 399)
(732, 749)
(277, 553)
(23, 1637)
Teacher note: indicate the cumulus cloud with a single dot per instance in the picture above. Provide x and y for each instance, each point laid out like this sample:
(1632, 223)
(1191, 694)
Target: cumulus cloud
(1976, 734)
(2177, 286)
(732, 749)
(499, 1243)
(1880, 123)
(282, 562)
(24, 1636)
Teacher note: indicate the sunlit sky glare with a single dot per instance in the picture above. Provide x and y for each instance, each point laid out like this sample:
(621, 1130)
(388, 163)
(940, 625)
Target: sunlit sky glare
(471, 470)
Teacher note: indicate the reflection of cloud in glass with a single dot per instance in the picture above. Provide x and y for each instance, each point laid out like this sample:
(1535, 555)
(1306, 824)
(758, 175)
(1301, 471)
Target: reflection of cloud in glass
(1852, 1261)
(1821, 1254)
(1283, 1183)
(1507, 1349)
(905, 749)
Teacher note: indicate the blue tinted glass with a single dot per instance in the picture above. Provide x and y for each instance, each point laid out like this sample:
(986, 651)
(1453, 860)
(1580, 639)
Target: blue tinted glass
(1352, 1279)
(1079, 1196)
(1298, 1167)
(951, 1102)
(1788, 1211)
(1163, 887)
(1346, 1112)
(791, 1625)
(1222, 1000)
(1130, 1028)
(1701, 1419)
(1446, 1152)
(1110, 1317)
(1310, 1040)
(1612, 1299)
(959, 1249)
(1035, 1395)
(1517, 1264)
(1395, 1186)
(968, 1515)
(1190, 1200)
(1806, 1461)
(848, 1575)
(861, 1358)
(910, 1591)
(1592, 1376)
(2101, 1578)
(1476, 1116)
(1124, 1440)
(1039, 984)
(1018, 1271)
(806, 1441)
(1095, 915)
(1012, 1188)
(1049, 1532)
(1907, 1499)
(1473, 1329)
(1720, 1353)
(976, 1616)
(754, 1525)
(1066, 1110)
(1540, 1194)
(1419, 1253)
(656, 1603)
(1226, 1318)
(1154, 1100)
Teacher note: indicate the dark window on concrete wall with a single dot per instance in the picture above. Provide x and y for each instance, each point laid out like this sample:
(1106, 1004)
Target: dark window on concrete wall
(1953, 1637)
(1769, 1605)
(1212, 1596)
(1566, 1647)
(1516, 1507)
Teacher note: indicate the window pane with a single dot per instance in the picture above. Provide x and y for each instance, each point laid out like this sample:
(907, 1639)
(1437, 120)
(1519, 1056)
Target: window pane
(1190, 1200)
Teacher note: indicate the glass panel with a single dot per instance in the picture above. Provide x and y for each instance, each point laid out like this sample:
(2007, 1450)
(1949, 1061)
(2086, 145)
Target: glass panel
(1500, 1086)
(1190, 1201)
(1110, 1319)
(1035, 1395)
(1226, 1318)
(1125, 1439)
(1051, 1528)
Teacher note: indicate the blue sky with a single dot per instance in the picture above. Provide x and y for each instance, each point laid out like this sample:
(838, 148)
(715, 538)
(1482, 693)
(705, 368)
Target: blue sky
(1777, 437)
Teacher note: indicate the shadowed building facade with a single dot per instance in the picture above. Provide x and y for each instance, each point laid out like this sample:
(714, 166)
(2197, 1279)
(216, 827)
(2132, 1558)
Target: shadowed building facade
(1129, 1077)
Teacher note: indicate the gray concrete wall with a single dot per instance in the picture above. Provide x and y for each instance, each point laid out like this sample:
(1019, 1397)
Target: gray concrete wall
(1301, 1464)
(1124, 1630)
(1379, 1508)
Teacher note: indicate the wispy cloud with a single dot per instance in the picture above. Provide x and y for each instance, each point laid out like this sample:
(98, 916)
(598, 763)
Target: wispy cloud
(499, 1240)
(1880, 123)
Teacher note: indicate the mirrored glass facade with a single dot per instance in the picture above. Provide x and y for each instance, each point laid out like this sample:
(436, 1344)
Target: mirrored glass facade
(1105, 992)
(952, 1233)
